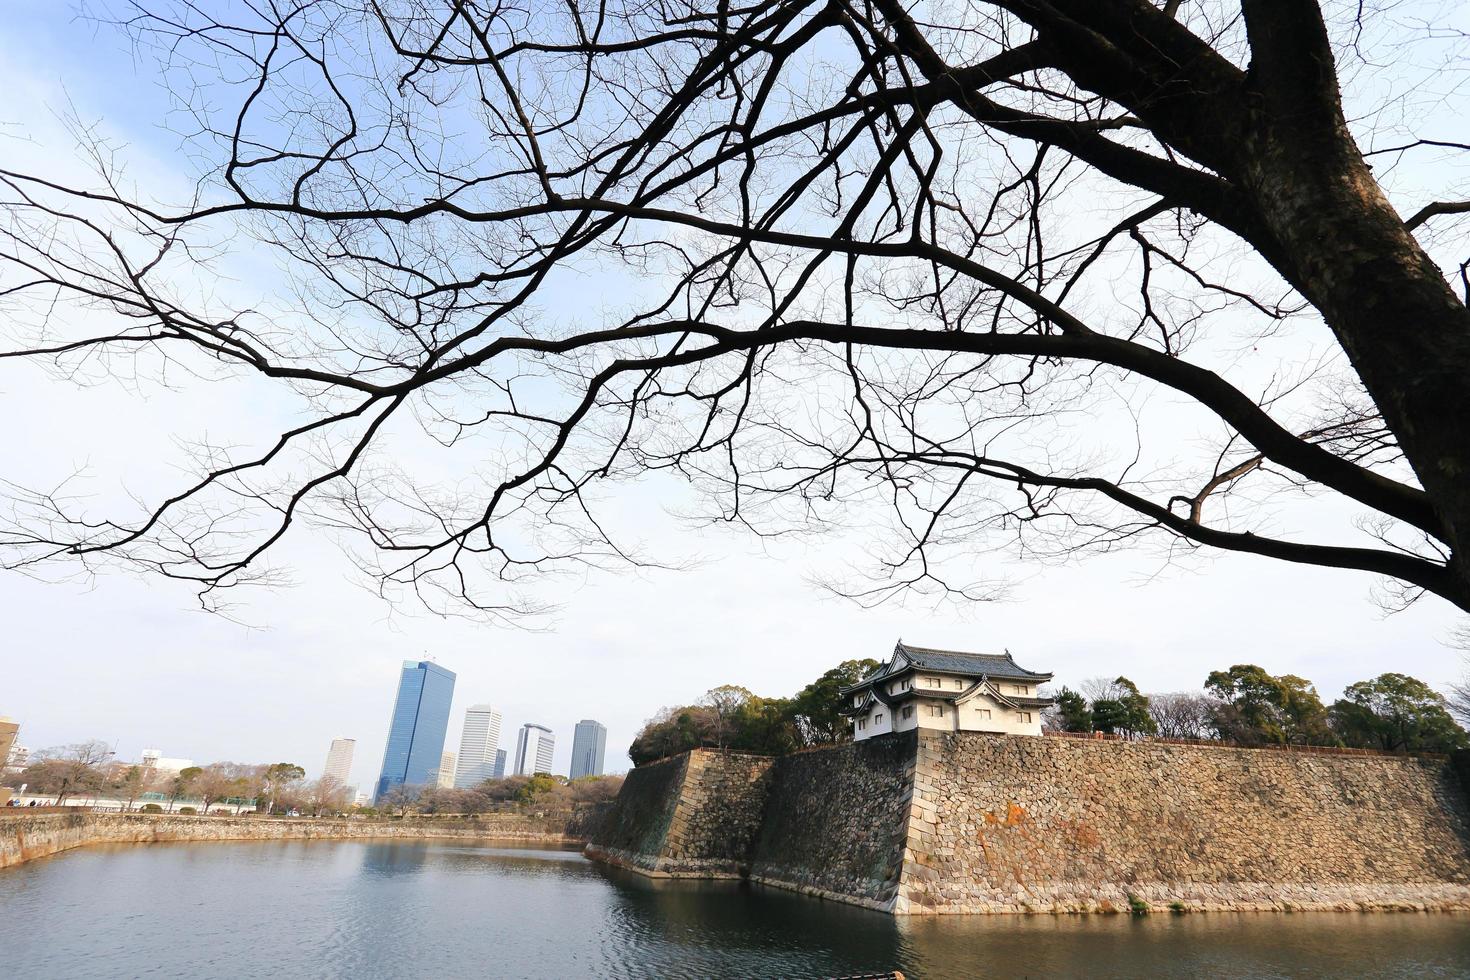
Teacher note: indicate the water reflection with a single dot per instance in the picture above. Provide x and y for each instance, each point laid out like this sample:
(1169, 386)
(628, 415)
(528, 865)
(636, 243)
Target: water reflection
(452, 908)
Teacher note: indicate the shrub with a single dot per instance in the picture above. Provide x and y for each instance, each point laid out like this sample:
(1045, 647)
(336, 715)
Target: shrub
(152, 808)
(1136, 905)
(188, 809)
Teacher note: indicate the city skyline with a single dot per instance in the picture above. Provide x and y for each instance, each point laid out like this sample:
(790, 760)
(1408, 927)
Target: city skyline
(414, 749)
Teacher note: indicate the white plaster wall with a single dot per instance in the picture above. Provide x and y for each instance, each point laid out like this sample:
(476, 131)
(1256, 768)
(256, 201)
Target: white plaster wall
(1002, 719)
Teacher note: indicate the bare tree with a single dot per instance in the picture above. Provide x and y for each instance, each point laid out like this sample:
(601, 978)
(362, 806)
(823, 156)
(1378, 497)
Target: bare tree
(69, 769)
(132, 782)
(724, 702)
(1181, 715)
(325, 795)
(1012, 272)
(224, 781)
(401, 799)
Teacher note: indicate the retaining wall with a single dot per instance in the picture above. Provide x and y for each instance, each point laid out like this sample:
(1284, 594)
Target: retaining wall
(691, 816)
(835, 821)
(969, 822)
(1060, 825)
(25, 836)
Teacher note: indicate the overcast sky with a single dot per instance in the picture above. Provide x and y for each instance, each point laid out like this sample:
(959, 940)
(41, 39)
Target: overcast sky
(136, 664)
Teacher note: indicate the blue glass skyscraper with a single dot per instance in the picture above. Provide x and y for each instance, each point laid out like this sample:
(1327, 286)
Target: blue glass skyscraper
(420, 719)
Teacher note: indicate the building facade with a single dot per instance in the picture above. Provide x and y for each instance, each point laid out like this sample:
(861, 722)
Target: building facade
(415, 745)
(155, 759)
(339, 760)
(947, 690)
(444, 775)
(500, 756)
(9, 730)
(479, 743)
(589, 745)
(534, 747)
(19, 758)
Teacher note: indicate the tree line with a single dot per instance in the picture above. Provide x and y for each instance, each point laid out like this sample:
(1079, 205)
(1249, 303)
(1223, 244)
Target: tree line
(86, 769)
(541, 792)
(1246, 705)
(731, 717)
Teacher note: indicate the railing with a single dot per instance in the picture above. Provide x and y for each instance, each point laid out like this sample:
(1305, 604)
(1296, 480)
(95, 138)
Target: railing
(1223, 744)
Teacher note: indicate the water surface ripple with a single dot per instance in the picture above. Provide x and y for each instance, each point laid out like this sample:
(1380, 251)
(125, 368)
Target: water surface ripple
(367, 909)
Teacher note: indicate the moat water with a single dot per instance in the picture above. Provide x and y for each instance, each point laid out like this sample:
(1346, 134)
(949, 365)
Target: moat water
(366, 909)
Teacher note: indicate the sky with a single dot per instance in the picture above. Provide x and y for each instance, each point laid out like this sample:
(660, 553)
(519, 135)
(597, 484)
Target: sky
(135, 663)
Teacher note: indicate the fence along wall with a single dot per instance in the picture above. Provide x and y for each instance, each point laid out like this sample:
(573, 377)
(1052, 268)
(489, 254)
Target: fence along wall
(968, 822)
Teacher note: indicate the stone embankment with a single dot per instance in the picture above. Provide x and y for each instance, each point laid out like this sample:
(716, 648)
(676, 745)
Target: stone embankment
(25, 836)
(694, 815)
(968, 822)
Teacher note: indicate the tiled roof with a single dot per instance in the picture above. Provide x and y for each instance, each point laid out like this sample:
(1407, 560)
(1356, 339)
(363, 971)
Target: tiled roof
(989, 664)
(992, 665)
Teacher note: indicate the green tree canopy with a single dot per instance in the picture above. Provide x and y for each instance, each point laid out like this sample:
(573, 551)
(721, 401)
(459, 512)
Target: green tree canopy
(1253, 707)
(1072, 711)
(1396, 712)
(817, 707)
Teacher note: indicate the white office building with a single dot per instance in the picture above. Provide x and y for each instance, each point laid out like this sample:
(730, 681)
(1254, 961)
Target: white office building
(339, 760)
(155, 759)
(534, 746)
(478, 744)
(444, 777)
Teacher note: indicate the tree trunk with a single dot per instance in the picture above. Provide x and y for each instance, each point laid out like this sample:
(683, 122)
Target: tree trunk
(1346, 249)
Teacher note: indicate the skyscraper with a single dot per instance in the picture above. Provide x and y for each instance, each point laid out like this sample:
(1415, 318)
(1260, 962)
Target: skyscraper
(478, 745)
(339, 760)
(534, 746)
(416, 734)
(444, 775)
(589, 744)
(500, 757)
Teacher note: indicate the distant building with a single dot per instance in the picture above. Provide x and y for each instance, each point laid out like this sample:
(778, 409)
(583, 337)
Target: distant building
(20, 757)
(339, 760)
(589, 745)
(415, 745)
(444, 778)
(9, 729)
(155, 759)
(534, 746)
(948, 691)
(500, 757)
(479, 744)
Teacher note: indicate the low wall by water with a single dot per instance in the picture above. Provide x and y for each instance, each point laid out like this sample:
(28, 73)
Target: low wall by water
(969, 822)
(26, 836)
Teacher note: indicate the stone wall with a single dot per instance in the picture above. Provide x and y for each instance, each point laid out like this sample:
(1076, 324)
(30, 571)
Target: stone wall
(633, 833)
(836, 821)
(691, 816)
(969, 822)
(1002, 824)
(25, 836)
